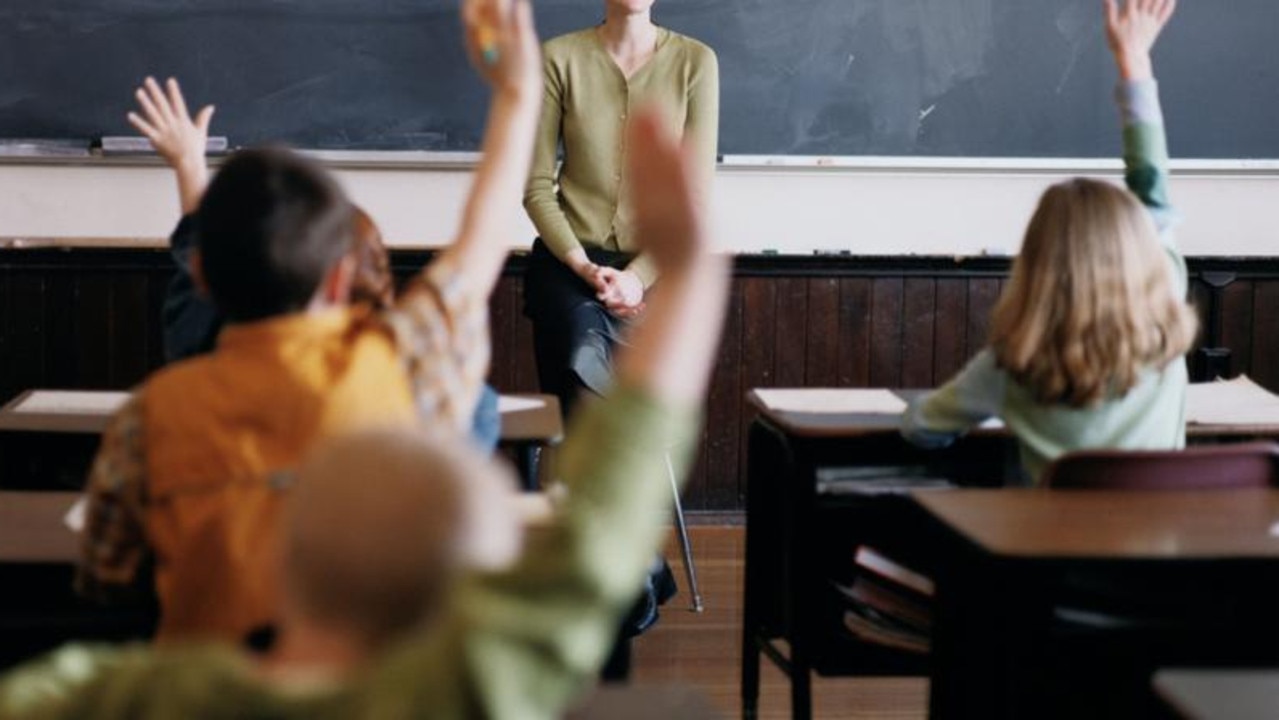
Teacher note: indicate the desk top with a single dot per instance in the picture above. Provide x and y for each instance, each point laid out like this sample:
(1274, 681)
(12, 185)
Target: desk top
(1220, 694)
(531, 419)
(852, 412)
(525, 418)
(33, 530)
(1112, 524)
(33, 526)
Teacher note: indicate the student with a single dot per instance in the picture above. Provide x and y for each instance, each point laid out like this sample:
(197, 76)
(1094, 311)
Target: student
(191, 321)
(388, 618)
(1087, 341)
(193, 472)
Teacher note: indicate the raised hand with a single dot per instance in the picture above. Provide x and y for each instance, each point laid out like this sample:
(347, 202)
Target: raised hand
(502, 44)
(669, 217)
(1132, 30)
(176, 136)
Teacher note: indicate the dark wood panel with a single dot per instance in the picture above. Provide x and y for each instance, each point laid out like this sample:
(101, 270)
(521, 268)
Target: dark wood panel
(722, 449)
(855, 306)
(791, 331)
(1264, 363)
(1235, 321)
(919, 327)
(822, 361)
(983, 293)
(886, 332)
(950, 335)
(93, 319)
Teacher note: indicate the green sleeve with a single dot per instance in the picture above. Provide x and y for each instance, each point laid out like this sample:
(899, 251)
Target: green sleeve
(526, 643)
(77, 681)
(973, 396)
(541, 198)
(1146, 163)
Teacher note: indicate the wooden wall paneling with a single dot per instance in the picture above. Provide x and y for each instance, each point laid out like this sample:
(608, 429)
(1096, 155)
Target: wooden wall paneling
(1264, 363)
(790, 329)
(93, 343)
(60, 302)
(157, 288)
(886, 332)
(502, 332)
(524, 377)
(950, 337)
(759, 312)
(855, 304)
(6, 342)
(983, 293)
(1235, 320)
(131, 335)
(722, 447)
(824, 328)
(919, 328)
(28, 325)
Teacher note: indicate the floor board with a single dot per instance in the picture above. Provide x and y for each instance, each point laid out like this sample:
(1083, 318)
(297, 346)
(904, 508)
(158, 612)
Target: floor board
(704, 650)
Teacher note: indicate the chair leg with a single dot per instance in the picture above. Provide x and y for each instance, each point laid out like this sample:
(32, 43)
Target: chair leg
(685, 546)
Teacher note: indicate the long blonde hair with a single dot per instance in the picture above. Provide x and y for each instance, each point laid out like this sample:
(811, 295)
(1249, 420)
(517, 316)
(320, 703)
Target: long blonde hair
(1091, 302)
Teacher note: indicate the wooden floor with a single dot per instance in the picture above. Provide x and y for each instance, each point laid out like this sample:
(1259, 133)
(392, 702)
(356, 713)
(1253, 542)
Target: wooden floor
(704, 650)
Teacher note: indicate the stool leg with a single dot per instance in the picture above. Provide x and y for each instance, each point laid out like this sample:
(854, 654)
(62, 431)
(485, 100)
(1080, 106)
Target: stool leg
(685, 546)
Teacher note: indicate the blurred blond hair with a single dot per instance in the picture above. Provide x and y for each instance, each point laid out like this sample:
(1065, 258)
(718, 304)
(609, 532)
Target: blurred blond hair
(1091, 301)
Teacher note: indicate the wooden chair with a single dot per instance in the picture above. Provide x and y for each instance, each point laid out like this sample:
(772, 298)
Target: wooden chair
(1207, 467)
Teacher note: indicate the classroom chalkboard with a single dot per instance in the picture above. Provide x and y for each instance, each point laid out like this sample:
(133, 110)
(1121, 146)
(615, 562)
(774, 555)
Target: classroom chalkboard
(974, 78)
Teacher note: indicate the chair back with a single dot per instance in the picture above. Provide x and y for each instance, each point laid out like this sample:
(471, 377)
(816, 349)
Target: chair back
(1205, 467)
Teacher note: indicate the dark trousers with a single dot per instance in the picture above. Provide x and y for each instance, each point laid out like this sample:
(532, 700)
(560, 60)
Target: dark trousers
(573, 333)
(573, 338)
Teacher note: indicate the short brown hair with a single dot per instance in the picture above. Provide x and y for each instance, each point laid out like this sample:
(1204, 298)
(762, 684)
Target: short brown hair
(1091, 302)
(381, 522)
(270, 227)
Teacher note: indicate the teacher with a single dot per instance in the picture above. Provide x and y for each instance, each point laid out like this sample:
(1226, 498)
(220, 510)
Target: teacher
(584, 280)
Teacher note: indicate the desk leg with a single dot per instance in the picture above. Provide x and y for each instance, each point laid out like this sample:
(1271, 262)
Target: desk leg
(527, 459)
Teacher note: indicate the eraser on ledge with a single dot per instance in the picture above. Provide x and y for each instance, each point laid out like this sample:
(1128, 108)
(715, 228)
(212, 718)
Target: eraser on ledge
(138, 145)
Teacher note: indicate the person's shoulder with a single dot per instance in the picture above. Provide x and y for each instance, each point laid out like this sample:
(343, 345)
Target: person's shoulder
(562, 47)
(695, 50)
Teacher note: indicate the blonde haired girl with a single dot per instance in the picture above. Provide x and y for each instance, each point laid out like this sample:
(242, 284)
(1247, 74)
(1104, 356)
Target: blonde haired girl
(1086, 342)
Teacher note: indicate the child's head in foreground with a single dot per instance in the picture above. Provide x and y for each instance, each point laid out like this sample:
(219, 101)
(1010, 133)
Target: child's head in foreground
(1091, 303)
(380, 525)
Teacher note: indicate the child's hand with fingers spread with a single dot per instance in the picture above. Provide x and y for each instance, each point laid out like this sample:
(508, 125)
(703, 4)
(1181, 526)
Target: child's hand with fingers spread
(179, 139)
(165, 121)
(1132, 32)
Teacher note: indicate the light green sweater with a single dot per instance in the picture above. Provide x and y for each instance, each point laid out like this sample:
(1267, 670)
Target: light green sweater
(587, 104)
(517, 645)
(1151, 416)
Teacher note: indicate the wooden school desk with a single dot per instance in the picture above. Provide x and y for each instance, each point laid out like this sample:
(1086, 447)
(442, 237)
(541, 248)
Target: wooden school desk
(1220, 694)
(1041, 593)
(806, 447)
(49, 437)
(38, 608)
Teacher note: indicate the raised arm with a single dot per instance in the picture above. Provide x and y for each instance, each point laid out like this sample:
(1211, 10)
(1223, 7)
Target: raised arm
(177, 137)
(488, 220)
(1131, 32)
(191, 322)
(549, 623)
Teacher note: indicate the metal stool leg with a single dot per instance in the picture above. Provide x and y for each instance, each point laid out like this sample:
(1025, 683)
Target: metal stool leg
(685, 546)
